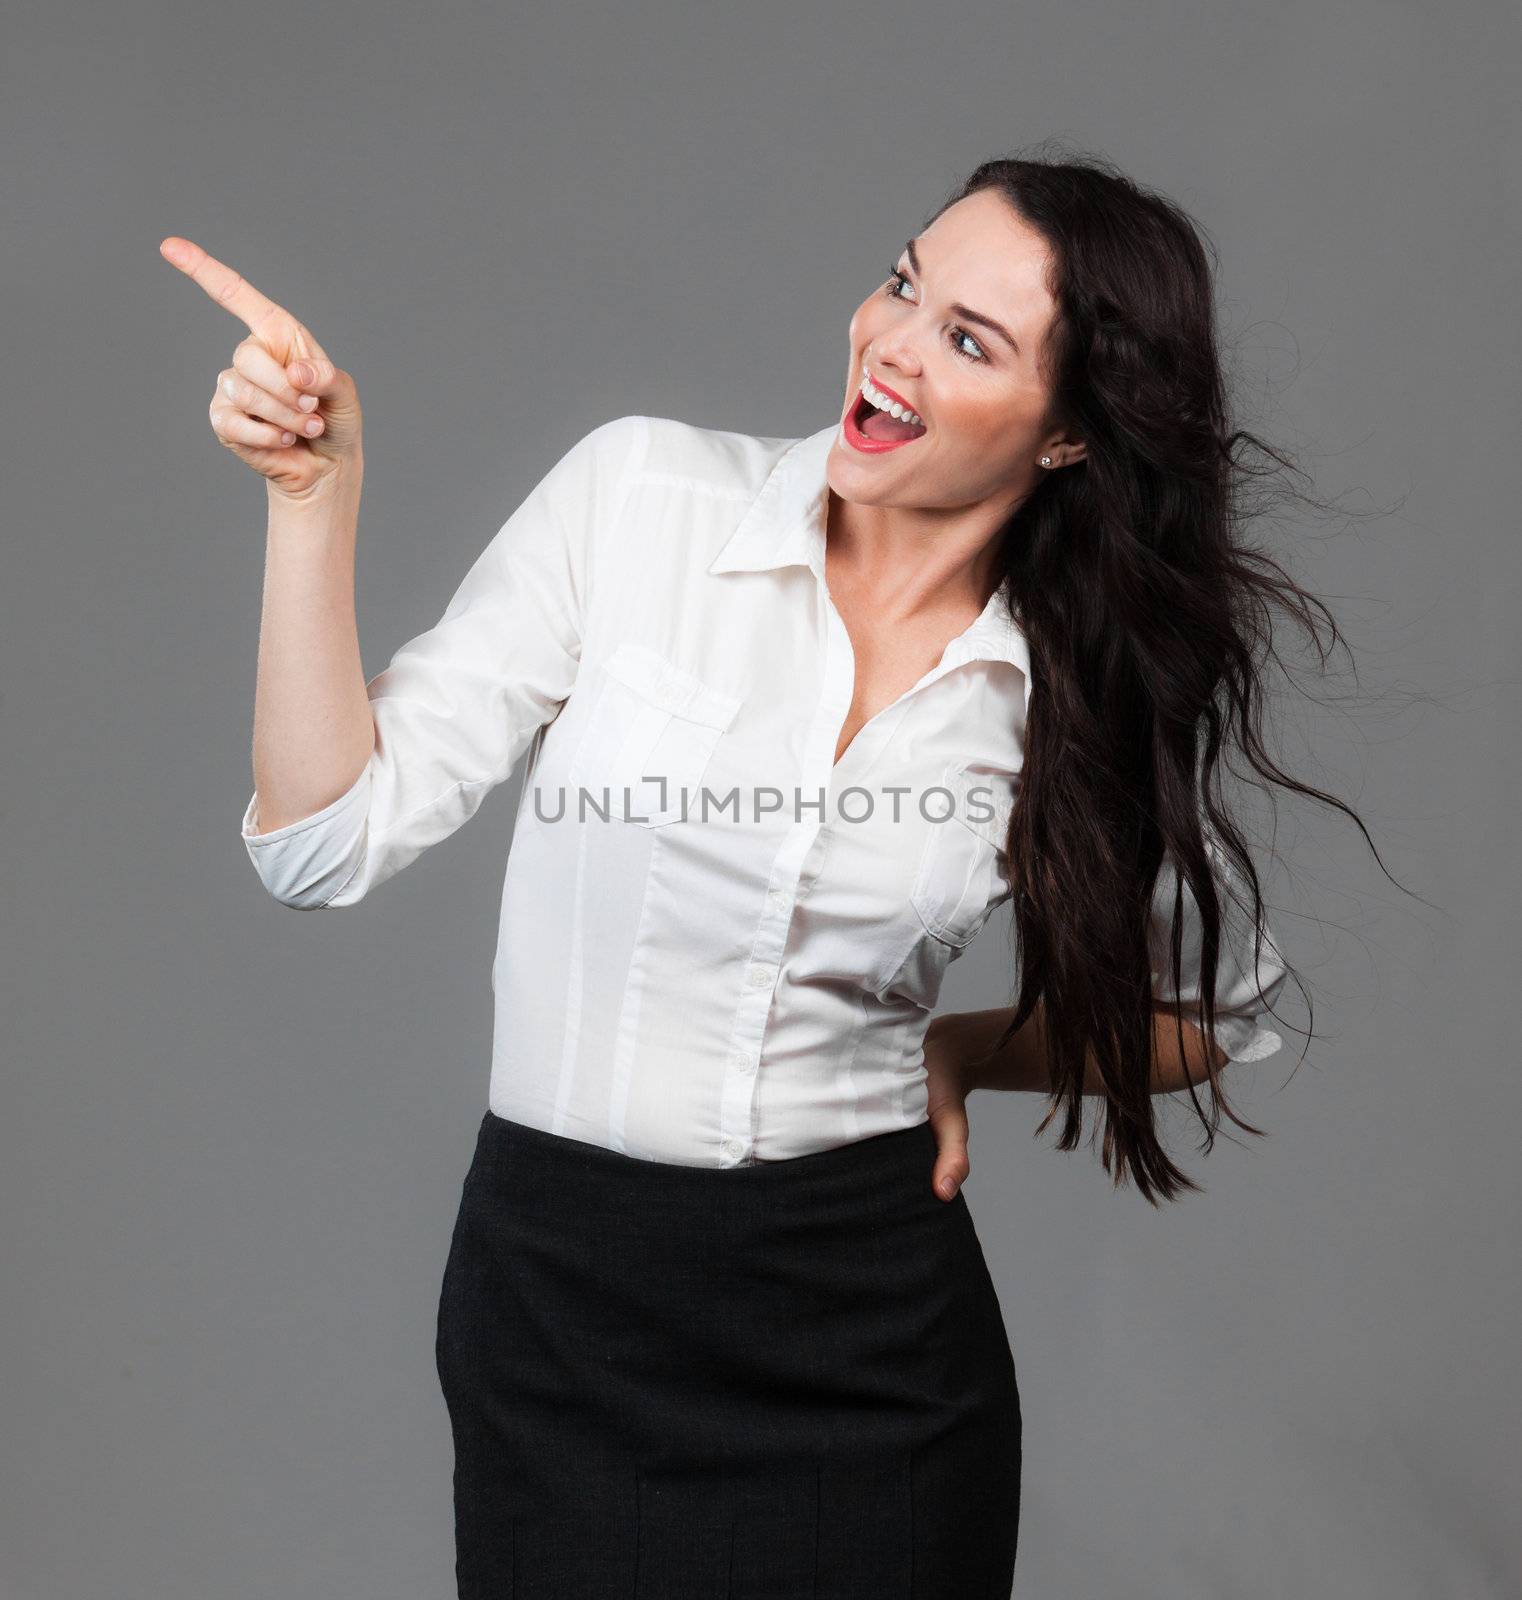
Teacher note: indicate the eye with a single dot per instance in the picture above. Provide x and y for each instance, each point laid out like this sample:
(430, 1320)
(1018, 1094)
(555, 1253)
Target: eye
(898, 281)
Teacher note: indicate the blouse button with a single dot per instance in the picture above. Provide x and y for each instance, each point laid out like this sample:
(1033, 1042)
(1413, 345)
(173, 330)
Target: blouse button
(732, 1148)
(760, 977)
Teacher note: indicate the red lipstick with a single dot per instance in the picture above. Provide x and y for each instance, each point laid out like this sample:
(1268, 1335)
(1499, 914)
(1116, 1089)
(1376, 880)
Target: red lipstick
(852, 433)
(893, 394)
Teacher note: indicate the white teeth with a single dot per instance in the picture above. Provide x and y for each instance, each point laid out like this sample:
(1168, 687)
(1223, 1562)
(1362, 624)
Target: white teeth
(894, 408)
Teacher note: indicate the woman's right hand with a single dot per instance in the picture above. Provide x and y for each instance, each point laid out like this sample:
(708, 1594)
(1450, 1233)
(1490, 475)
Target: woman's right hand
(257, 410)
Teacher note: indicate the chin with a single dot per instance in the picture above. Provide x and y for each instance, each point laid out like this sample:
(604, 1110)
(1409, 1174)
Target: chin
(868, 479)
(853, 479)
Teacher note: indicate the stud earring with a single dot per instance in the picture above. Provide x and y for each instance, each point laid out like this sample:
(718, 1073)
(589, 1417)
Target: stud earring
(1046, 461)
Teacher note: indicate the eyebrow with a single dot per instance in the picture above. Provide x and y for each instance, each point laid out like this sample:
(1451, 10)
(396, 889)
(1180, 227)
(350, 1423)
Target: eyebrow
(966, 312)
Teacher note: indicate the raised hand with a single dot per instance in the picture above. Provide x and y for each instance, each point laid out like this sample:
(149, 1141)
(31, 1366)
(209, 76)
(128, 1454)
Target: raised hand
(280, 382)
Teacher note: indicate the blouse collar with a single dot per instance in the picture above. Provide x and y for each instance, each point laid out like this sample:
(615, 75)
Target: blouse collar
(785, 526)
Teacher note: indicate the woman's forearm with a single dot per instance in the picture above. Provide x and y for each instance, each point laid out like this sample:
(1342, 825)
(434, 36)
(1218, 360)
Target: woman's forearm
(313, 731)
(968, 1036)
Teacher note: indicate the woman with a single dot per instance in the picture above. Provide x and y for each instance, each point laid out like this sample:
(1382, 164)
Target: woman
(800, 713)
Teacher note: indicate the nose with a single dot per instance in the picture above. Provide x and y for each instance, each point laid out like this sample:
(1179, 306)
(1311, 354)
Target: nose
(893, 352)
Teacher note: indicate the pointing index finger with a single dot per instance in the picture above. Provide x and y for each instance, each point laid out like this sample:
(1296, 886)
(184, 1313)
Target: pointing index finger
(231, 290)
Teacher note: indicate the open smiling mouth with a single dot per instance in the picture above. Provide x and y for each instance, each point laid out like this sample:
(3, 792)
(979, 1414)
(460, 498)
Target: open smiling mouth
(872, 428)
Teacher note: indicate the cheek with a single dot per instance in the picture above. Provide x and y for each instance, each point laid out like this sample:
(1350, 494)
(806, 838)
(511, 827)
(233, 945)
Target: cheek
(1001, 423)
(994, 436)
(863, 325)
(979, 423)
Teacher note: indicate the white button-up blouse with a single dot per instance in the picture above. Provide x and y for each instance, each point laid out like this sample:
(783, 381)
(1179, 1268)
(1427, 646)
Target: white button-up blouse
(716, 946)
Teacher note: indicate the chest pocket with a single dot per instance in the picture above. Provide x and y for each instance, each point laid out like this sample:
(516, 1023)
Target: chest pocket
(962, 872)
(651, 719)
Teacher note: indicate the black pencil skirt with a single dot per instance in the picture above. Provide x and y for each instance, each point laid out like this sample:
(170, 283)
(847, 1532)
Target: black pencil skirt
(789, 1380)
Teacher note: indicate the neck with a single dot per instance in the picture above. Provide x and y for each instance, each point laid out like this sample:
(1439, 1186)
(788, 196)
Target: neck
(907, 560)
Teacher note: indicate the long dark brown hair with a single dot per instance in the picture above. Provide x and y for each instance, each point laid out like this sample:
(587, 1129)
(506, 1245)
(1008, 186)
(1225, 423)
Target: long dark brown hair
(1149, 620)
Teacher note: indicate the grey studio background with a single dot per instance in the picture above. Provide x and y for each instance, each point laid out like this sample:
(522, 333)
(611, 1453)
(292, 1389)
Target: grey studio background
(233, 1134)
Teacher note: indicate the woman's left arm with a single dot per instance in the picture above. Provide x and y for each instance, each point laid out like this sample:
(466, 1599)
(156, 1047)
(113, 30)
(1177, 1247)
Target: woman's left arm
(958, 1060)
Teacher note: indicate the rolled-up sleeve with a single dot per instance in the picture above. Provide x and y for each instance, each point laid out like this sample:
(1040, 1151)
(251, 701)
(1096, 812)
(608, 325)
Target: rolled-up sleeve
(457, 706)
(1250, 973)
